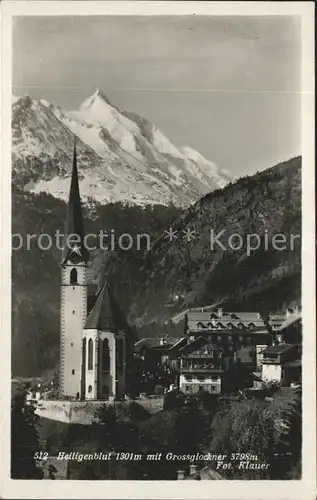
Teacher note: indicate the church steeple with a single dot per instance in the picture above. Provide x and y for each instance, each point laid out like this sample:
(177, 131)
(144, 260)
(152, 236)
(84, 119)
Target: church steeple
(74, 248)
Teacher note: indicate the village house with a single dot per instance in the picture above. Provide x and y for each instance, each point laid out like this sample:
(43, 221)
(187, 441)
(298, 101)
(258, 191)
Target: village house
(155, 351)
(241, 335)
(285, 327)
(202, 367)
(291, 329)
(281, 363)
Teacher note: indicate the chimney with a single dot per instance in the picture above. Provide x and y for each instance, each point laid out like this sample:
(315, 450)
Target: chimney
(259, 315)
(220, 312)
(180, 475)
(192, 469)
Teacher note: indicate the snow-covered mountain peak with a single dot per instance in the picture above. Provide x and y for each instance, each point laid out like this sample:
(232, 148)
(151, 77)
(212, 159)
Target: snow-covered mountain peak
(121, 156)
(98, 98)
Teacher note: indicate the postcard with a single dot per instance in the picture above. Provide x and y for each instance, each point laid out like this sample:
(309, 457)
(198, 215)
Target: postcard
(157, 271)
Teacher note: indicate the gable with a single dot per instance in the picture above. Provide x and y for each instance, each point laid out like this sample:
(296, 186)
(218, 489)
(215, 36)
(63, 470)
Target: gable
(199, 346)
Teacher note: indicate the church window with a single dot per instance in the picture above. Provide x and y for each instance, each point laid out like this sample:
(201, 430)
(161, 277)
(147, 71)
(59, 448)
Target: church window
(73, 276)
(120, 353)
(105, 355)
(90, 354)
(89, 388)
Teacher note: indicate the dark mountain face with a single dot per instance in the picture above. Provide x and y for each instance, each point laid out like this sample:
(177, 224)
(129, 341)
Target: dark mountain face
(154, 285)
(265, 210)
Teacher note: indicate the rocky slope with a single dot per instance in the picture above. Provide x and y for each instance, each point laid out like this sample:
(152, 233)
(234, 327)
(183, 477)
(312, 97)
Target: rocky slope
(121, 156)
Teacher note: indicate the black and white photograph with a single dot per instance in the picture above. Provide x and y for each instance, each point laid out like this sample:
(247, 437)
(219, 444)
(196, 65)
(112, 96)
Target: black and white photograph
(157, 296)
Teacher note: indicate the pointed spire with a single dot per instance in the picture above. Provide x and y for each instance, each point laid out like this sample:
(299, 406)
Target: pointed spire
(74, 248)
(106, 314)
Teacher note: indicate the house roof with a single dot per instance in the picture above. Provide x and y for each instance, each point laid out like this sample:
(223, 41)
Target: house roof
(106, 314)
(152, 343)
(239, 321)
(180, 343)
(197, 344)
(278, 349)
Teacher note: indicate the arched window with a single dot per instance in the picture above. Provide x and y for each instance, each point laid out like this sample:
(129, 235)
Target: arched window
(90, 354)
(119, 353)
(73, 276)
(105, 355)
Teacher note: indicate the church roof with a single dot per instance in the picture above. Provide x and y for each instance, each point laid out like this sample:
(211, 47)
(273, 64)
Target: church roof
(106, 314)
(74, 225)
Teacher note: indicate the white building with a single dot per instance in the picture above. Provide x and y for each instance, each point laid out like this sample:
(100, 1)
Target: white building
(281, 363)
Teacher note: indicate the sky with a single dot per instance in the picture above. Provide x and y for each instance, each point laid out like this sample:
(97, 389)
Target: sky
(226, 86)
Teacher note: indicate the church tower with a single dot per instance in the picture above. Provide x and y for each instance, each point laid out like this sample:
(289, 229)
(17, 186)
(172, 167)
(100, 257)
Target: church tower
(73, 293)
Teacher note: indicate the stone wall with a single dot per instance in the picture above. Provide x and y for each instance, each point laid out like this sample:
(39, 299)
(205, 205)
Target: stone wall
(82, 412)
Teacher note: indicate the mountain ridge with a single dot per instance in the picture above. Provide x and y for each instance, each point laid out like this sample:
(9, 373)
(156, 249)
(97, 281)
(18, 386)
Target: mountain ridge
(121, 156)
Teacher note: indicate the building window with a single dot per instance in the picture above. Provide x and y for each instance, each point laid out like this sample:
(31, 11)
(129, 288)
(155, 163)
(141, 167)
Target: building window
(90, 354)
(72, 344)
(73, 276)
(73, 372)
(74, 312)
(89, 388)
(105, 355)
(119, 352)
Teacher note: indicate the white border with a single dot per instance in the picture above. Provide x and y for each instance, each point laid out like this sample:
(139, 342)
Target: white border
(304, 489)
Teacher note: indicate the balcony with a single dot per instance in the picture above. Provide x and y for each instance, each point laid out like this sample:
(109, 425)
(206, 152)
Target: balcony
(271, 361)
(202, 369)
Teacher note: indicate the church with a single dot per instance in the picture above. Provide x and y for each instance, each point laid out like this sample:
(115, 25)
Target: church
(93, 341)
